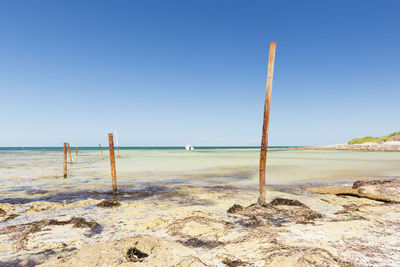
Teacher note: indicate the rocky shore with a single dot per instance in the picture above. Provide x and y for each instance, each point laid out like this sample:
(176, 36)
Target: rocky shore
(386, 146)
(340, 225)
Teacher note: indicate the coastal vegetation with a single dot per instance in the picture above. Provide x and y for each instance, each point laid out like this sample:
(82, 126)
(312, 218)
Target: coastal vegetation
(369, 139)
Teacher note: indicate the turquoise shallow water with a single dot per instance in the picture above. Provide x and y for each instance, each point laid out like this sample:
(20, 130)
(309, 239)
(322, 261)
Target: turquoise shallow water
(26, 171)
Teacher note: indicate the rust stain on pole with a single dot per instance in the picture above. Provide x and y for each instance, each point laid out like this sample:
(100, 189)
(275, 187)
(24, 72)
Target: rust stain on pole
(101, 151)
(112, 162)
(267, 108)
(65, 160)
(76, 155)
(69, 152)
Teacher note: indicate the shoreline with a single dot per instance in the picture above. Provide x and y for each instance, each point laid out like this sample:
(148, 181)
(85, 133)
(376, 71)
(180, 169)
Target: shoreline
(391, 147)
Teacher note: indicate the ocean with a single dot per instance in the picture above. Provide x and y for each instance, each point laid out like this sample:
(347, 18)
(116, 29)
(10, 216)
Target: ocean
(32, 171)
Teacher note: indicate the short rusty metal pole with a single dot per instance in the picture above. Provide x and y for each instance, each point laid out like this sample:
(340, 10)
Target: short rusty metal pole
(76, 155)
(101, 150)
(267, 108)
(112, 162)
(69, 152)
(65, 160)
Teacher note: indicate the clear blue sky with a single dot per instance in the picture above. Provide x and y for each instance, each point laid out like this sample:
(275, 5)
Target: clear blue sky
(168, 72)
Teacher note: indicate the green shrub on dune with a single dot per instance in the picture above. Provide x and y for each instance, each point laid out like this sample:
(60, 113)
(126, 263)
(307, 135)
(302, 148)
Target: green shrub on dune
(370, 139)
(394, 136)
(367, 139)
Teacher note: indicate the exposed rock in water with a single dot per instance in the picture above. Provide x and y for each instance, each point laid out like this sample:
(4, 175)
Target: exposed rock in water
(380, 190)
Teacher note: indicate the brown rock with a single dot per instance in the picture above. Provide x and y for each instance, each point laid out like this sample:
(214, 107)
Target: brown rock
(380, 190)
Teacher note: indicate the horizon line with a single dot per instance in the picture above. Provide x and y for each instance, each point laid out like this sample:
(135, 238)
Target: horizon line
(2, 147)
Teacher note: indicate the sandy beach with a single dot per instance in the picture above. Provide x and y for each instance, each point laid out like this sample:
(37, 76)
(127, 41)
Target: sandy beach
(207, 226)
(200, 208)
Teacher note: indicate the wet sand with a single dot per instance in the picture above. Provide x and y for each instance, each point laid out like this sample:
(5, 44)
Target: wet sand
(176, 225)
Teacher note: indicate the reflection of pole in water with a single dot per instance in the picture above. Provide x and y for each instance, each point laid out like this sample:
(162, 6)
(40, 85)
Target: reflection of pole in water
(76, 155)
(65, 160)
(69, 152)
(101, 150)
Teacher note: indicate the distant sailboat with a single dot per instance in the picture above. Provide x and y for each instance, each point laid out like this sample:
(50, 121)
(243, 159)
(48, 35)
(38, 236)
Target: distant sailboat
(189, 147)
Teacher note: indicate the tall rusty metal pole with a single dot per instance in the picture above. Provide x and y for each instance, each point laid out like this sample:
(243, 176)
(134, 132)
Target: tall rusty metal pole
(112, 162)
(65, 160)
(76, 155)
(267, 108)
(69, 152)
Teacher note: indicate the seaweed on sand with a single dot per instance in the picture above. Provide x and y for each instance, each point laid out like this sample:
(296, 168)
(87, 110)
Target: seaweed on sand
(107, 203)
(21, 232)
(234, 262)
(235, 208)
(135, 255)
(10, 217)
(2, 212)
(176, 227)
(287, 202)
(199, 243)
(277, 213)
(304, 256)
(349, 213)
(207, 239)
(78, 222)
